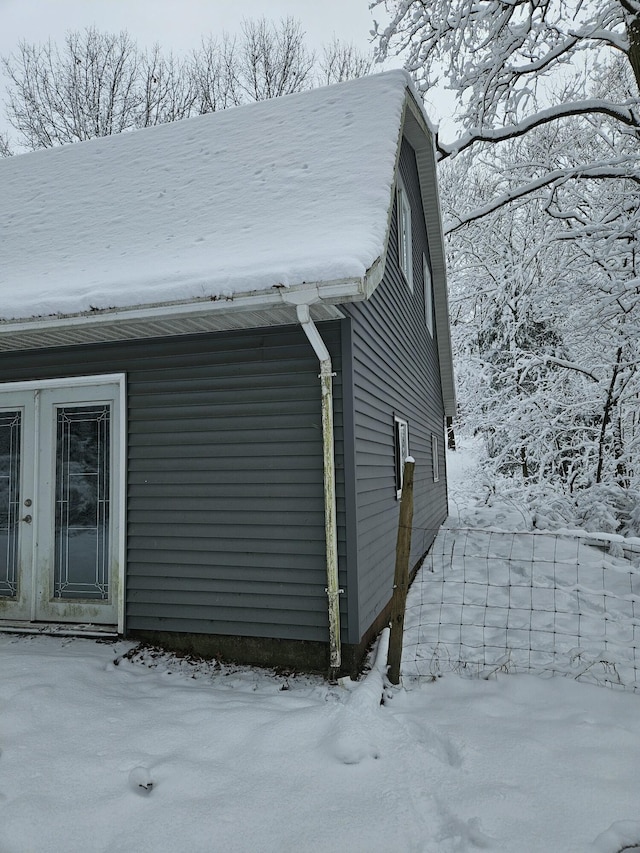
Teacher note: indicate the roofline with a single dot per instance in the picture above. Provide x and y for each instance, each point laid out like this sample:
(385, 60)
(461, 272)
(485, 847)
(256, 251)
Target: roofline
(246, 310)
(276, 306)
(340, 290)
(237, 311)
(415, 127)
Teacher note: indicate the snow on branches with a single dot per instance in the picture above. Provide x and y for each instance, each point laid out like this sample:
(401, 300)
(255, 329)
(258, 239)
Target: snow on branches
(541, 197)
(497, 54)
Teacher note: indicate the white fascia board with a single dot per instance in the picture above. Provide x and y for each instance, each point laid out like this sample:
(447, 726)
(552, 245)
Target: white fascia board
(376, 271)
(332, 292)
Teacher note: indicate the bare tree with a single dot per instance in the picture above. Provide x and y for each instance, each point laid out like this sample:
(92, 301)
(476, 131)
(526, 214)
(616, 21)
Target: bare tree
(273, 59)
(5, 148)
(267, 61)
(213, 71)
(170, 90)
(342, 61)
(88, 88)
(98, 83)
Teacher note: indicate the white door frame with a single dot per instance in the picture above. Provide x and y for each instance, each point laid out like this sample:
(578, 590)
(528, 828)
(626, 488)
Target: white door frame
(119, 465)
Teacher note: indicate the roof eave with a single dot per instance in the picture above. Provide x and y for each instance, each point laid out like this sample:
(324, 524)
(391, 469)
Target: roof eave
(247, 310)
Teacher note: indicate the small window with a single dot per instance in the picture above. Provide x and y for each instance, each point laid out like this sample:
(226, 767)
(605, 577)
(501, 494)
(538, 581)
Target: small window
(435, 457)
(404, 234)
(401, 429)
(428, 295)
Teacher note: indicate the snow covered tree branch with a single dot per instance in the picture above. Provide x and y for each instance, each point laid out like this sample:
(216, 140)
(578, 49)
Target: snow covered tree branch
(496, 53)
(556, 177)
(548, 73)
(627, 113)
(542, 204)
(567, 365)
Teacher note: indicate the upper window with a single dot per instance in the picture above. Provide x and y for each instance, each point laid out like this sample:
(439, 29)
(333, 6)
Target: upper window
(401, 428)
(404, 233)
(435, 457)
(428, 295)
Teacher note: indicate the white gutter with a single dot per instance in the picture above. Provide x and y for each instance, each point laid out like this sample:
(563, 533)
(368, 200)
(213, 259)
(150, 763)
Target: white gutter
(330, 524)
(330, 292)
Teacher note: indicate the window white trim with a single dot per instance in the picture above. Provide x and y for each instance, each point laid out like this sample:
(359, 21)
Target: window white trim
(435, 457)
(405, 242)
(401, 449)
(428, 295)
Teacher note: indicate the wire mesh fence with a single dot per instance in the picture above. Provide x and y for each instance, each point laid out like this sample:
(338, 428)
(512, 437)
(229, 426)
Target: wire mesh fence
(487, 600)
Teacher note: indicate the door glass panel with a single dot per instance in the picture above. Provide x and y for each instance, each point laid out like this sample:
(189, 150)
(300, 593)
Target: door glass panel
(81, 567)
(10, 430)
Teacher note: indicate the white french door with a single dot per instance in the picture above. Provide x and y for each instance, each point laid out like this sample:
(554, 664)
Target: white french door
(60, 501)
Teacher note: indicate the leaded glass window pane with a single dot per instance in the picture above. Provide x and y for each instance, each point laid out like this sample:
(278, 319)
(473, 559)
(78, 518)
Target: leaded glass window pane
(10, 431)
(81, 567)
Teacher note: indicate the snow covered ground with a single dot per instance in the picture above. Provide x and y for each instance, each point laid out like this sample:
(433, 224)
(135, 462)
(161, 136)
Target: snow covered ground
(105, 749)
(103, 753)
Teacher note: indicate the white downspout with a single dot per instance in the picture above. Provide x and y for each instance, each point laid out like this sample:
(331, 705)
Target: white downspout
(330, 524)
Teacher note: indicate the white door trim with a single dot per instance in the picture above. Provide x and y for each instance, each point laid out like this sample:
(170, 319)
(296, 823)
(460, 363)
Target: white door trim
(68, 382)
(90, 381)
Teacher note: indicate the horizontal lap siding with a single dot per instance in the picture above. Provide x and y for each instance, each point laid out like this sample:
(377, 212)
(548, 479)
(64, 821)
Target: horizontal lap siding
(395, 372)
(225, 503)
(250, 417)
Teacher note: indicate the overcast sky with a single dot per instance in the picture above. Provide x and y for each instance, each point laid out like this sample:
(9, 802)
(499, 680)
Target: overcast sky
(178, 24)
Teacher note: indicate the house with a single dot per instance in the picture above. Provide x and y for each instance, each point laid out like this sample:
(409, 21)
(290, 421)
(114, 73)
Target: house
(219, 339)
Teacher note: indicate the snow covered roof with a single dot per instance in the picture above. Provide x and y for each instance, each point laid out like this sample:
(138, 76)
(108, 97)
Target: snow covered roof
(246, 210)
(274, 193)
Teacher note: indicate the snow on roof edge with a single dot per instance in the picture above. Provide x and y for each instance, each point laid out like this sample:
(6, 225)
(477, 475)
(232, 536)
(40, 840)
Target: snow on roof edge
(67, 254)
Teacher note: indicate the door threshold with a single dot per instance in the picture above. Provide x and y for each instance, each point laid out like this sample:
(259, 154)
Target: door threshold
(58, 629)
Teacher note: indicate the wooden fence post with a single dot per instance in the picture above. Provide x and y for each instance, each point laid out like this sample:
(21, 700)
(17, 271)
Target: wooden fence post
(401, 576)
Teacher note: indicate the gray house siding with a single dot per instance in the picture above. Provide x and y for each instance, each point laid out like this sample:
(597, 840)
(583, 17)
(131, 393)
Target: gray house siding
(224, 485)
(395, 372)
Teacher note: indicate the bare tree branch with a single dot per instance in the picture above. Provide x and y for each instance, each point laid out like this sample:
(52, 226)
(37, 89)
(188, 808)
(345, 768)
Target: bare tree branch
(342, 61)
(5, 148)
(273, 59)
(98, 83)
